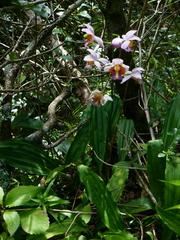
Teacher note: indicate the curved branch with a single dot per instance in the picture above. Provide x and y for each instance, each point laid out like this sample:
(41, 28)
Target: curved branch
(51, 119)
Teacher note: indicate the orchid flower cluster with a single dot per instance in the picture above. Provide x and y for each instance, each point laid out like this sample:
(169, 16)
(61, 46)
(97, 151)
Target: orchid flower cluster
(117, 69)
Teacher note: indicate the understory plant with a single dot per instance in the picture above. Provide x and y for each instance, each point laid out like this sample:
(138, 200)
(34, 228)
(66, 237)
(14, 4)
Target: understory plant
(88, 173)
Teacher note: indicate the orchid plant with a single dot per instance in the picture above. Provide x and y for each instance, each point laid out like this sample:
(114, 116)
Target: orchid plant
(117, 69)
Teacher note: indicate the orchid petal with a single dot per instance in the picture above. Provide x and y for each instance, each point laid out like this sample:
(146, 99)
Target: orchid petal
(137, 75)
(125, 78)
(98, 65)
(103, 60)
(106, 69)
(125, 44)
(99, 41)
(129, 34)
(139, 69)
(117, 61)
(89, 58)
(116, 42)
(89, 27)
(105, 99)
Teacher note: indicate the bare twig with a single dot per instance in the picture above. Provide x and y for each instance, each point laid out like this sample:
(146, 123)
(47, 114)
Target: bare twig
(65, 136)
(108, 164)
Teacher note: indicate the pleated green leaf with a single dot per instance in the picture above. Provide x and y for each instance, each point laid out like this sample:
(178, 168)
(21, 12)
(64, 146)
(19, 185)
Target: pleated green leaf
(137, 205)
(117, 182)
(156, 169)
(172, 192)
(79, 144)
(171, 220)
(26, 156)
(172, 121)
(125, 131)
(97, 192)
(98, 131)
(113, 110)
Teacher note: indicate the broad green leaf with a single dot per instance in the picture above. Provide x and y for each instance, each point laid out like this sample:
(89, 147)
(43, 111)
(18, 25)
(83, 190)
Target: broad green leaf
(12, 56)
(78, 146)
(74, 237)
(156, 169)
(84, 14)
(1, 195)
(98, 130)
(150, 234)
(86, 217)
(36, 237)
(20, 195)
(171, 220)
(101, 197)
(119, 235)
(60, 228)
(113, 110)
(26, 156)
(22, 120)
(12, 221)
(117, 182)
(54, 200)
(55, 172)
(34, 221)
(174, 207)
(173, 182)
(172, 121)
(137, 205)
(124, 133)
(172, 192)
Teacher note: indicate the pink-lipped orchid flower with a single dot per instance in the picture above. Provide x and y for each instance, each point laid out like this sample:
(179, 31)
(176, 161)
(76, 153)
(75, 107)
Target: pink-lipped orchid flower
(97, 98)
(117, 69)
(134, 74)
(90, 36)
(94, 59)
(126, 42)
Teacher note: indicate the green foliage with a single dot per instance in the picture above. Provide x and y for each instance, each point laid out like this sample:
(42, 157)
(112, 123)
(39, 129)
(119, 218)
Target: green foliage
(26, 156)
(156, 169)
(108, 175)
(34, 221)
(101, 197)
(20, 195)
(172, 122)
(124, 134)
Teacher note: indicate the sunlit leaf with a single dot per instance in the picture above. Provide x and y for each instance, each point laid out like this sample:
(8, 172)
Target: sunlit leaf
(34, 221)
(12, 220)
(172, 121)
(1, 195)
(101, 197)
(171, 220)
(117, 182)
(20, 195)
(119, 235)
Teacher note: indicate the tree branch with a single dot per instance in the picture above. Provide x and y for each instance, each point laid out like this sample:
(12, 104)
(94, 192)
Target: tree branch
(51, 119)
